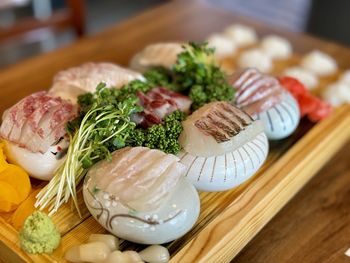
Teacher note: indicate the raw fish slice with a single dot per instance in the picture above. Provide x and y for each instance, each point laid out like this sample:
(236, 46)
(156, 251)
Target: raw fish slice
(33, 138)
(256, 92)
(217, 128)
(159, 54)
(31, 120)
(160, 189)
(78, 80)
(158, 103)
(133, 165)
(32, 127)
(126, 178)
(138, 177)
(38, 121)
(120, 162)
(243, 79)
(182, 102)
(52, 127)
(143, 180)
(16, 116)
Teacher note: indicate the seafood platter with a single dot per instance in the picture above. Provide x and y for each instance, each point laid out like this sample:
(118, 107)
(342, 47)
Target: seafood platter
(147, 163)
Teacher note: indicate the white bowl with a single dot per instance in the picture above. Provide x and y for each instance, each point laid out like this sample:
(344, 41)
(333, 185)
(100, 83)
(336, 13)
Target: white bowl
(282, 119)
(174, 218)
(223, 172)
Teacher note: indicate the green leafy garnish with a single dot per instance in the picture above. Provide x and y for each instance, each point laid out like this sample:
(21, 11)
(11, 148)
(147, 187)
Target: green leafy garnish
(195, 74)
(163, 136)
(104, 127)
(160, 77)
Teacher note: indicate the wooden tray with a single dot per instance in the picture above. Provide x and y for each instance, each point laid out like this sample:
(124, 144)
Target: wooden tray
(228, 220)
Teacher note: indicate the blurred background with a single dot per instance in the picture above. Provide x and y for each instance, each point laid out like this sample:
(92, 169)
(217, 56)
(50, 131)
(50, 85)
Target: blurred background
(31, 27)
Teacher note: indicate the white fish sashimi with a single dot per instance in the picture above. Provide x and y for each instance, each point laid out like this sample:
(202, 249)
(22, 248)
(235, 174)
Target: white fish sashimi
(222, 44)
(157, 54)
(226, 151)
(138, 177)
(70, 83)
(28, 128)
(31, 128)
(255, 58)
(276, 47)
(158, 193)
(241, 35)
(15, 117)
(217, 128)
(319, 63)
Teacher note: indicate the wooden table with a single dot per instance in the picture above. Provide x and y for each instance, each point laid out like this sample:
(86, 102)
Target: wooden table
(313, 227)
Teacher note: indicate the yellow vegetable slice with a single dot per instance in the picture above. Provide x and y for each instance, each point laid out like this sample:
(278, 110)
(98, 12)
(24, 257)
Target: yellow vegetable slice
(24, 210)
(9, 198)
(18, 179)
(3, 163)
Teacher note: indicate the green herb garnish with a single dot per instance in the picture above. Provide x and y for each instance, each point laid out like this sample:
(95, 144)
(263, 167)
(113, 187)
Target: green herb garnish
(104, 127)
(195, 74)
(162, 136)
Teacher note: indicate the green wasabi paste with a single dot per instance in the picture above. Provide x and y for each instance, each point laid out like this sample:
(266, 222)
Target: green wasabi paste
(39, 234)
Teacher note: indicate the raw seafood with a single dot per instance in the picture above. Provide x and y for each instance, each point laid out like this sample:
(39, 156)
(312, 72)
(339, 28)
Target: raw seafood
(222, 44)
(319, 63)
(72, 82)
(255, 58)
(158, 103)
(255, 92)
(222, 146)
(263, 97)
(139, 177)
(37, 121)
(276, 47)
(141, 196)
(158, 54)
(241, 35)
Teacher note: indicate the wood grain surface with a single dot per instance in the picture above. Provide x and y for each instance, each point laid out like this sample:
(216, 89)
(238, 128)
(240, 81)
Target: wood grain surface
(228, 220)
(314, 227)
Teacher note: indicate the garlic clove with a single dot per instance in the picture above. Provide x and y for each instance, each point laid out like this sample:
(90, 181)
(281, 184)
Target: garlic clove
(90, 252)
(155, 254)
(117, 256)
(111, 241)
(73, 254)
(132, 255)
